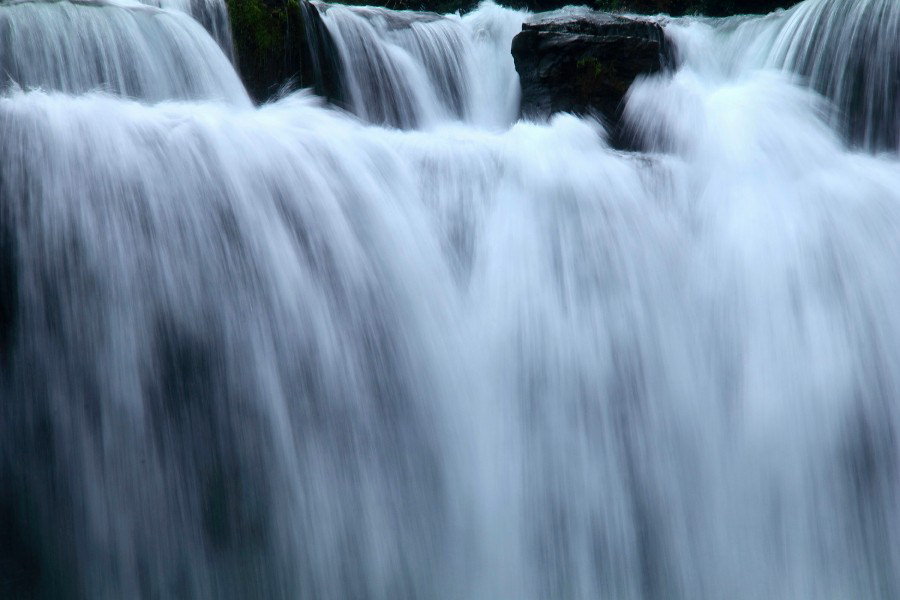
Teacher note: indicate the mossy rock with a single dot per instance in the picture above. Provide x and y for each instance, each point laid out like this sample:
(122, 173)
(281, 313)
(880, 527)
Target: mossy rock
(585, 64)
(281, 43)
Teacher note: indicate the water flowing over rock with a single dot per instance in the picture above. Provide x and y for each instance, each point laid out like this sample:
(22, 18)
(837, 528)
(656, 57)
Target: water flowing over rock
(850, 52)
(586, 62)
(212, 14)
(407, 70)
(125, 49)
(414, 347)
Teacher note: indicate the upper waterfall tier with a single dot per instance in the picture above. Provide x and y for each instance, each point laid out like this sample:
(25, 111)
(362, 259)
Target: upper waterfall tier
(411, 70)
(212, 14)
(123, 48)
(849, 50)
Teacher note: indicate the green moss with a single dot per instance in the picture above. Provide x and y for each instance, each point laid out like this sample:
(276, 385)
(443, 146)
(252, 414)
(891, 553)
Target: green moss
(265, 34)
(256, 25)
(592, 66)
(608, 5)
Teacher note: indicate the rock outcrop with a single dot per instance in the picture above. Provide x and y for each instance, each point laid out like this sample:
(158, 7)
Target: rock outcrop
(585, 63)
(281, 43)
(710, 8)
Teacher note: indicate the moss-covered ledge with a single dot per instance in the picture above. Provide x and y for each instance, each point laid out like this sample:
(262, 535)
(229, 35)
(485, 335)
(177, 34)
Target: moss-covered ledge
(283, 43)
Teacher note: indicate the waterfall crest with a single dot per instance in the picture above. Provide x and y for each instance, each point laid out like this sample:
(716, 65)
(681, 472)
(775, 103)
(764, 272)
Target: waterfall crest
(409, 70)
(850, 52)
(121, 48)
(212, 14)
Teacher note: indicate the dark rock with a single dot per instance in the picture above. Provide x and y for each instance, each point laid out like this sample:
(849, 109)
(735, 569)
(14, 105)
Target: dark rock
(586, 63)
(711, 8)
(284, 44)
(440, 7)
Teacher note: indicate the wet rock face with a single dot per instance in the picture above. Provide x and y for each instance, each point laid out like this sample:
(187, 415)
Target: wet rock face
(281, 43)
(585, 64)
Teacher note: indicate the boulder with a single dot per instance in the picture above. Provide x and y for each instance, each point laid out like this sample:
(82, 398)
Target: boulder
(284, 43)
(584, 63)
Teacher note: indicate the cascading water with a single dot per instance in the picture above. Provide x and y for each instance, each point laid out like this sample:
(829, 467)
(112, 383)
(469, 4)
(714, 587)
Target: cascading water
(850, 53)
(408, 70)
(847, 50)
(285, 353)
(212, 14)
(123, 48)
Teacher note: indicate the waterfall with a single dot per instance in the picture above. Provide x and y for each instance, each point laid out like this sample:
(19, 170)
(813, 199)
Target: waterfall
(421, 349)
(122, 48)
(850, 52)
(212, 14)
(846, 50)
(408, 70)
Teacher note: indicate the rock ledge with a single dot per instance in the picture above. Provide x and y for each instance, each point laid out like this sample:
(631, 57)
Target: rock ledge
(584, 63)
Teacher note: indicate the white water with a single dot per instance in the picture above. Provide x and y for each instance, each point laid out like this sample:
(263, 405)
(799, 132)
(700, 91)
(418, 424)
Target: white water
(212, 14)
(409, 70)
(124, 48)
(284, 353)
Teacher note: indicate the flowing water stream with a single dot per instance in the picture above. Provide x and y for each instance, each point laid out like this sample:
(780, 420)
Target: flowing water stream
(416, 348)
